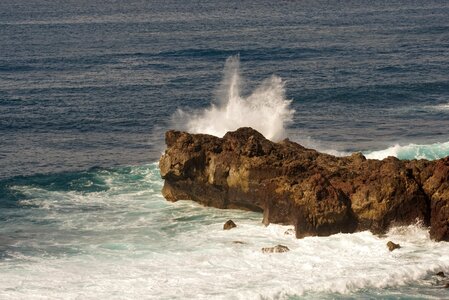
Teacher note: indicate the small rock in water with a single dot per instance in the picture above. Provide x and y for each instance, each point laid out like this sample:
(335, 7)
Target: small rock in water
(391, 246)
(446, 286)
(238, 242)
(441, 274)
(229, 225)
(289, 232)
(276, 249)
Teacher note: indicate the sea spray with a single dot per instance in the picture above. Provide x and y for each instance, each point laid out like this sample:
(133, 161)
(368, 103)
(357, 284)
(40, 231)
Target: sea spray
(266, 109)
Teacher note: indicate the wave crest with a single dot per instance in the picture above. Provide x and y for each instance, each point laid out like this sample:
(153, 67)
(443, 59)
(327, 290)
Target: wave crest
(412, 151)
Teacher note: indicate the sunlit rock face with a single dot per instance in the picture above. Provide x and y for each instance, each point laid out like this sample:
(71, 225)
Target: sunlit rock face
(318, 193)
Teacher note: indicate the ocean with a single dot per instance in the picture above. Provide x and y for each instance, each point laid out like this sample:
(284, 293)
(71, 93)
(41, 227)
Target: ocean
(88, 89)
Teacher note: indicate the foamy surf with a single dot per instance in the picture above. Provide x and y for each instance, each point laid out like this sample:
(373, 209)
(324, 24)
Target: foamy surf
(122, 240)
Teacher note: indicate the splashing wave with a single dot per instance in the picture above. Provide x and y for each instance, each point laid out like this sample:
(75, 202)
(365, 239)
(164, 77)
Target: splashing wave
(266, 109)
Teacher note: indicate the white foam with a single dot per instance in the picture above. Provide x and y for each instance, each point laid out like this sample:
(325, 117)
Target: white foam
(204, 263)
(139, 246)
(412, 151)
(266, 109)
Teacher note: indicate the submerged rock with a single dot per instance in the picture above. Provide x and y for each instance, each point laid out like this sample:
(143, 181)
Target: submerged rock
(319, 194)
(275, 249)
(392, 246)
(229, 225)
(289, 232)
(441, 274)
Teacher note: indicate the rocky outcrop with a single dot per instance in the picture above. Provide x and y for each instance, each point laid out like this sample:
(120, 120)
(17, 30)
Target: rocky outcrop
(319, 194)
(392, 246)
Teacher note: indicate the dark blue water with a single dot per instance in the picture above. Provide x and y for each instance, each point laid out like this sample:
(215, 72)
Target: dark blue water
(88, 88)
(89, 83)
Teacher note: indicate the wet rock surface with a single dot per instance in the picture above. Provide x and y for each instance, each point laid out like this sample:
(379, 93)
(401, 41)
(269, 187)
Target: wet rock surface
(229, 225)
(276, 249)
(319, 194)
(392, 246)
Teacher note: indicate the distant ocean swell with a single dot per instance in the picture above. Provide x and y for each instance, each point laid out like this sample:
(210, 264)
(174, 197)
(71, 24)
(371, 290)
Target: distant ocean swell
(412, 151)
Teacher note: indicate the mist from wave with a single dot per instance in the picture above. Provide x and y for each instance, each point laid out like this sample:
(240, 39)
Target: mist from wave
(266, 109)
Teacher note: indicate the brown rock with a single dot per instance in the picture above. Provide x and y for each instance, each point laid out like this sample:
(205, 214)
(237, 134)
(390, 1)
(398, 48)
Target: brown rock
(392, 246)
(319, 194)
(441, 274)
(289, 232)
(437, 187)
(446, 286)
(276, 249)
(229, 225)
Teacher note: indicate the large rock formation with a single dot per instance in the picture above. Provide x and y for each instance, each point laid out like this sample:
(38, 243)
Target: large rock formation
(319, 194)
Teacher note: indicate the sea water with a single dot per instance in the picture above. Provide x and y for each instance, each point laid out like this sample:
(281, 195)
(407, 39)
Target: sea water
(108, 233)
(87, 90)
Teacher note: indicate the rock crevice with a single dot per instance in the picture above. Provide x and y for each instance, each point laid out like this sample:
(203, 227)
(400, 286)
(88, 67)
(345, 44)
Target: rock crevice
(319, 194)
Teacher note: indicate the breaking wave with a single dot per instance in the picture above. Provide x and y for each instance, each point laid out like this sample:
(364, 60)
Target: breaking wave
(412, 151)
(266, 109)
